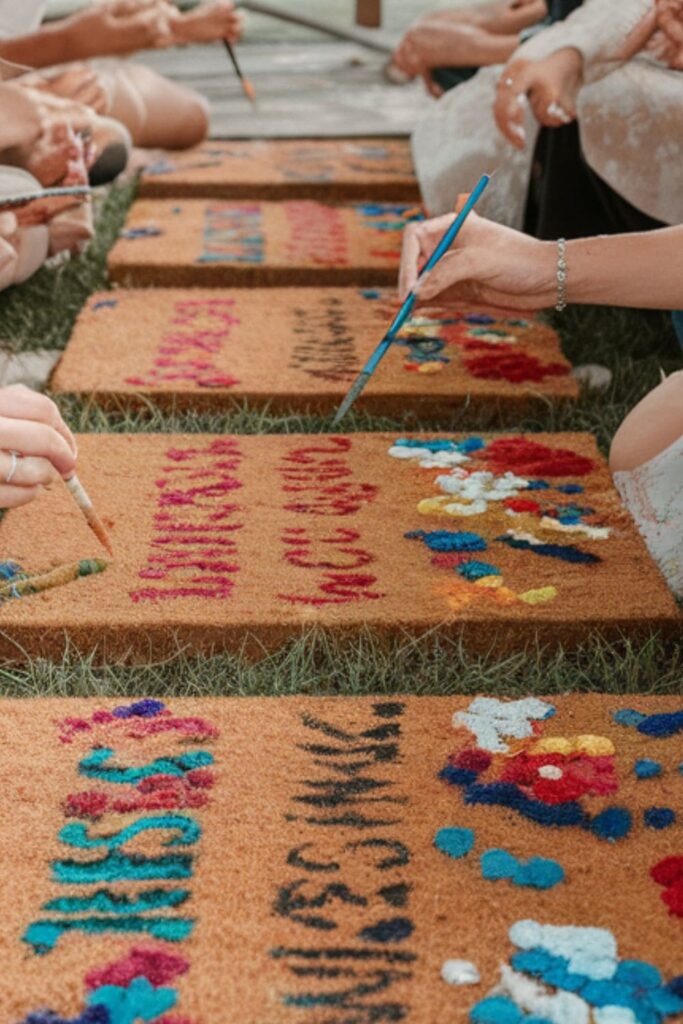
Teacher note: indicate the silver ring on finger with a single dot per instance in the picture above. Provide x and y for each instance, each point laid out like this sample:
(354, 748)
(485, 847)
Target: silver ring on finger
(14, 462)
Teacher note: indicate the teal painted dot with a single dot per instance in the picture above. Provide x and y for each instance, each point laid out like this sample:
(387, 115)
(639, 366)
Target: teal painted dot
(455, 842)
(536, 873)
(646, 769)
(496, 1010)
(477, 570)
(628, 716)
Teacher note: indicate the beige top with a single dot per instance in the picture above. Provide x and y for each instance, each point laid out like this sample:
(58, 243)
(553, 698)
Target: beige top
(630, 118)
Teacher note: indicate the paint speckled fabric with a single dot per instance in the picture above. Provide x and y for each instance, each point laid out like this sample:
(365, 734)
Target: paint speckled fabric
(638, 154)
(653, 494)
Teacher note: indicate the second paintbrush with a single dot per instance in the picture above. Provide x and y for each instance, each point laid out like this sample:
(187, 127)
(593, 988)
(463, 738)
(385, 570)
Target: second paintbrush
(247, 87)
(406, 309)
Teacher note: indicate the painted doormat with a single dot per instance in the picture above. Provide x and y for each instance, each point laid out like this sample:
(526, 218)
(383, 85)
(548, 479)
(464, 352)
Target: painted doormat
(342, 860)
(218, 539)
(303, 347)
(286, 169)
(218, 242)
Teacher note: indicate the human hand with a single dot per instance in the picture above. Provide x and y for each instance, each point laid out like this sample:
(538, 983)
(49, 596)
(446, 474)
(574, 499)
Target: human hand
(31, 426)
(120, 27)
(550, 86)
(432, 44)
(208, 24)
(488, 264)
(660, 33)
(78, 82)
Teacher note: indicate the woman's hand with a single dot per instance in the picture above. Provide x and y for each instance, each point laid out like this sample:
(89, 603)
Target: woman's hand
(208, 24)
(78, 82)
(120, 27)
(660, 32)
(44, 447)
(550, 86)
(488, 264)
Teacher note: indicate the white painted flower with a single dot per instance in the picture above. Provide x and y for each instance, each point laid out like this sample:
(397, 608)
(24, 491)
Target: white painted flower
(490, 720)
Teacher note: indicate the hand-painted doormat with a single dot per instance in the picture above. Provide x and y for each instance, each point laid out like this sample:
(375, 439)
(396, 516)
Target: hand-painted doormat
(286, 169)
(220, 242)
(218, 539)
(299, 861)
(294, 347)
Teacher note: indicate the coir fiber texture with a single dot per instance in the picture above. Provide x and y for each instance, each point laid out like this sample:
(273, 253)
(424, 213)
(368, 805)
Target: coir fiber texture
(223, 242)
(221, 538)
(299, 861)
(302, 348)
(285, 169)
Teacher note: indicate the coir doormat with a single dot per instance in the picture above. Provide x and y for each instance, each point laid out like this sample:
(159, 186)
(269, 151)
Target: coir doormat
(218, 539)
(285, 169)
(303, 347)
(220, 242)
(288, 861)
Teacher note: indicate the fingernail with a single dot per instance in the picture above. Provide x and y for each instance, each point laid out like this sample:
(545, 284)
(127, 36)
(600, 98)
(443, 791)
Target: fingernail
(518, 131)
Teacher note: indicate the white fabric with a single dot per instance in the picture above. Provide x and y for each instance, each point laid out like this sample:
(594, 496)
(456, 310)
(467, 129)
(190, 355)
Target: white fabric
(630, 120)
(20, 17)
(458, 140)
(653, 494)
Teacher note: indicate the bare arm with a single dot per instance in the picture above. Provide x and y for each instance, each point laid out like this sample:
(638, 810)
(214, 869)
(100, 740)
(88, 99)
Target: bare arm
(493, 264)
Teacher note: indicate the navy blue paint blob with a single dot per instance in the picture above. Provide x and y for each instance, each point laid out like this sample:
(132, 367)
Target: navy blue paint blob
(506, 794)
(565, 552)
(659, 817)
(664, 725)
(612, 824)
(394, 929)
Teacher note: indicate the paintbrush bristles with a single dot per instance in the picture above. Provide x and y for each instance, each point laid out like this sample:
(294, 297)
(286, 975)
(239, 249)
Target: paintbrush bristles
(86, 506)
(247, 87)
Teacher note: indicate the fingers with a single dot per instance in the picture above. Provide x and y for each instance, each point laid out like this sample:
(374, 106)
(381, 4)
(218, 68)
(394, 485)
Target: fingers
(419, 242)
(14, 497)
(31, 438)
(453, 268)
(29, 471)
(508, 111)
(21, 403)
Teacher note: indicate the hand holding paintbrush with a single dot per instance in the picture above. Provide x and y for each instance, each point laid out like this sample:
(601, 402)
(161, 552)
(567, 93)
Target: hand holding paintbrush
(406, 309)
(36, 444)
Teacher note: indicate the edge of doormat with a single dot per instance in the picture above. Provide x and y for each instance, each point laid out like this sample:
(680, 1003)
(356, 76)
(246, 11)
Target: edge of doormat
(478, 637)
(146, 275)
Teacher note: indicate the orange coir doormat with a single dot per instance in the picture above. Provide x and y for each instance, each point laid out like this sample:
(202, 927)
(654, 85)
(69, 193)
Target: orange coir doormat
(218, 242)
(370, 860)
(285, 169)
(303, 347)
(218, 539)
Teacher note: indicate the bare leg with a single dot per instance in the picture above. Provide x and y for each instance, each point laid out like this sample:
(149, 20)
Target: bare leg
(654, 424)
(158, 113)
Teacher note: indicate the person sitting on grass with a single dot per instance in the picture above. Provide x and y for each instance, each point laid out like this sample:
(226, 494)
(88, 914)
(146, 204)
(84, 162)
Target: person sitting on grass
(32, 231)
(36, 446)
(494, 265)
(155, 111)
(445, 48)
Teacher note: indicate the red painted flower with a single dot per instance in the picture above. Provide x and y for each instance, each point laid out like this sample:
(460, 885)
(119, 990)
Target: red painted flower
(561, 778)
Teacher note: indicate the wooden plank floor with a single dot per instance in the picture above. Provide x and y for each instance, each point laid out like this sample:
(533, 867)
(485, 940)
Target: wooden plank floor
(304, 89)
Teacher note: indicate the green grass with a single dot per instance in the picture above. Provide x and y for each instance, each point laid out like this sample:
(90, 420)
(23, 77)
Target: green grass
(636, 345)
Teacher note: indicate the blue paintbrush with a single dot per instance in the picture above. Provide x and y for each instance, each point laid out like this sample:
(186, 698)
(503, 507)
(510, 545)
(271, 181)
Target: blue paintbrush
(407, 307)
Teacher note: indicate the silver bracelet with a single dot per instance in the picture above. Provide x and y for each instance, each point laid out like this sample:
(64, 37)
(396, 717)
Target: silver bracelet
(561, 303)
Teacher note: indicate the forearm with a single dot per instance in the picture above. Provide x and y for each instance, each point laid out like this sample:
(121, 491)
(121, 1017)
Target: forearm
(643, 271)
(512, 20)
(52, 44)
(596, 29)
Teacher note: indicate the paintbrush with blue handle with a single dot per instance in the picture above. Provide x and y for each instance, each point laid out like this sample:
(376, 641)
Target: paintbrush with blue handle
(407, 307)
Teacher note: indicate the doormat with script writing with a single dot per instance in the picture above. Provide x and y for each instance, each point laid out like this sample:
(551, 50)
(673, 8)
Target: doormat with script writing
(221, 242)
(221, 538)
(302, 348)
(286, 860)
(285, 169)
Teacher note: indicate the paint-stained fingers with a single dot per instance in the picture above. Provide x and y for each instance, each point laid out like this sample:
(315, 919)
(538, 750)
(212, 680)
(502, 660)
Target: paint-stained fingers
(14, 497)
(30, 438)
(21, 403)
(639, 37)
(508, 111)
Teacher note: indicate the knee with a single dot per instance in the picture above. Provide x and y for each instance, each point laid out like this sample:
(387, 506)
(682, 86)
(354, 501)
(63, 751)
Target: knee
(193, 126)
